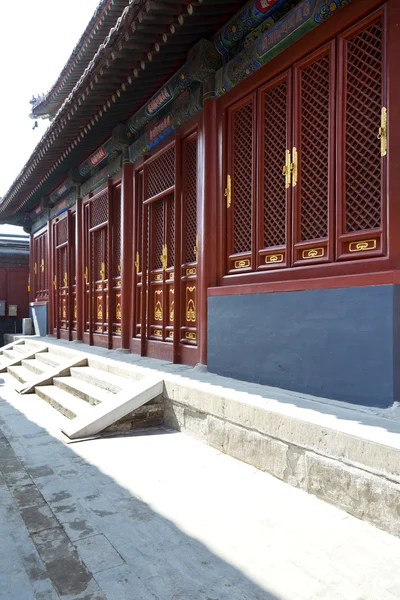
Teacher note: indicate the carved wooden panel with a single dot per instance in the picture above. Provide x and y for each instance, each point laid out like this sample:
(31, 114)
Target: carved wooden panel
(61, 273)
(313, 158)
(362, 161)
(138, 263)
(40, 266)
(116, 259)
(274, 139)
(161, 268)
(73, 270)
(188, 329)
(239, 185)
(87, 267)
(96, 273)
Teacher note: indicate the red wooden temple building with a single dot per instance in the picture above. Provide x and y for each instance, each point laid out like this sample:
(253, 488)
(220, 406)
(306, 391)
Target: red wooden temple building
(219, 185)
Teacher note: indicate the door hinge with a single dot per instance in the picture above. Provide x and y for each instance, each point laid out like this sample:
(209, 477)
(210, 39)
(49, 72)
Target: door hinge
(382, 133)
(228, 191)
(137, 262)
(65, 280)
(164, 257)
(86, 275)
(55, 282)
(35, 268)
(286, 170)
(293, 166)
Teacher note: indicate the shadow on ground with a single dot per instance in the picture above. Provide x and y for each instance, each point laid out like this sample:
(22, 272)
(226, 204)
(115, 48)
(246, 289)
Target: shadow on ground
(70, 531)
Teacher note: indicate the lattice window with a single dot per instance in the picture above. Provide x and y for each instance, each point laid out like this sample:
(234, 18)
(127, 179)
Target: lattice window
(275, 123)
(362, 115)
(190, 186)
(117, 232)
(62, 231)
(99, 210)
(157, 232)
(161, 173)
(169, 202)
(315, 128)
(242, 176)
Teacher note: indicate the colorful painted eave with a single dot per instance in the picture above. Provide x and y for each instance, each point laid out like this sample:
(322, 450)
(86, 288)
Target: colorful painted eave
(148, 43)
(97, 29)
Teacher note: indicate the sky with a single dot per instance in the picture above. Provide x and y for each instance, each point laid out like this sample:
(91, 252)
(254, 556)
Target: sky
(36, 40)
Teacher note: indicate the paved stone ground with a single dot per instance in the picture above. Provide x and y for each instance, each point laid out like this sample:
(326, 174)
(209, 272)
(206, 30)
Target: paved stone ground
(159, 516)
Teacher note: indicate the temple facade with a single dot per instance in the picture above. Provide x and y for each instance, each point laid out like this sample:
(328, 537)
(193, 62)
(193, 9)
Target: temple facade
(219, 186)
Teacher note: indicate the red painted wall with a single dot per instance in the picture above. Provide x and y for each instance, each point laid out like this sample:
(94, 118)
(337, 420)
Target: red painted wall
(14, 289)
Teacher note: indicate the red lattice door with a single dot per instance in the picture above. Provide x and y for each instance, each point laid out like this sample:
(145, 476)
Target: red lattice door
(96, 276)
(116, 262)
(159, 245)
(138, 275)
(40, 267)
(240, 178)
(362, 143)
(61, 278)
(72, 270)
(161, 269)
(313, 157)
(274, 117)
(189, 252)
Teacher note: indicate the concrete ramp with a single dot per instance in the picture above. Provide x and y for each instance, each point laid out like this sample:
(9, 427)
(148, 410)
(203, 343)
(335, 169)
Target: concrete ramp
(98, 417)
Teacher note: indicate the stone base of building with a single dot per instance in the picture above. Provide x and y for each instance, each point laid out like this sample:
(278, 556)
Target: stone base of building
(337, 343)
(343, 456)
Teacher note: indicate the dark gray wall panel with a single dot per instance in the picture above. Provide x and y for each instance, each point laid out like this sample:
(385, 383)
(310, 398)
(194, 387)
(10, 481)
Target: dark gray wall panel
(338, 343)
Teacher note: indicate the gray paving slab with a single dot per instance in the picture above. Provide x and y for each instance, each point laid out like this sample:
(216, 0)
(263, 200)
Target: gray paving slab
(159, 516)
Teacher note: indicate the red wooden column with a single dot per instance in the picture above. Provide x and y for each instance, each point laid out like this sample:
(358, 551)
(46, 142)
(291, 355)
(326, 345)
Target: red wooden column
(207, 215)
(126, 253)
(393, 118)
(31, 269)
(79, 254)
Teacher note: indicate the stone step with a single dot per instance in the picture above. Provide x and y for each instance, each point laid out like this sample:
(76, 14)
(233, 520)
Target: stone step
(22, 348)
(49, 358)
(11, 354)
(62, 401)
(120, 369)
(20, 373)
(81, 389)
(102, 379)
(34, 365)
(65, 353)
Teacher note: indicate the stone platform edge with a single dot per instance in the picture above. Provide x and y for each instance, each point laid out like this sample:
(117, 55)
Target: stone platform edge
(356, 474)
(346, 457)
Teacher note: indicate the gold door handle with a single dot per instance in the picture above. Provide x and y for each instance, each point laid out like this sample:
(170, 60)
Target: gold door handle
(382, 132)
(228, 191)
(42, 265)
(86, 275)
(164, 257)
(55, 282)
(137, 262)
(65, 280)
(286, 169)
(294, 166)
(103, 271)
(35, 268)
